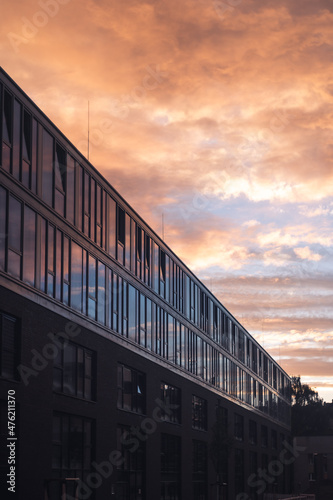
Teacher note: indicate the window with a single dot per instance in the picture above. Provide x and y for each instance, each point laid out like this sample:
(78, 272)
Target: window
(147, 260)
(170, 467)
(131, 390)
(14, 237)
(253, 432)
(29, 252)
(47, 179)
(239, 427)
(74, 371)
(199, 470)
(92, 297)
(162, 273)
(264, 436)
(3, 218)
(274, 439)
(73, 451)
(254, 358)
(60, 180)
(253, 469)
(138, 251)
(265, 368)
(26, 149)
(78, 278)
(9, 346)
(121, 227)
(171, 398)
(199, 413)
(239, 471)
(7, 131)
(130, 472)
(7, 117)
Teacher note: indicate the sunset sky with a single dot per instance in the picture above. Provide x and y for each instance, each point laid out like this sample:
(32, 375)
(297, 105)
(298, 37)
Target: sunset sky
(218, 116)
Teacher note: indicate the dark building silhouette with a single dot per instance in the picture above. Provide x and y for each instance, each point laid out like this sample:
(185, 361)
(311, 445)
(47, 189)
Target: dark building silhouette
(122, 376)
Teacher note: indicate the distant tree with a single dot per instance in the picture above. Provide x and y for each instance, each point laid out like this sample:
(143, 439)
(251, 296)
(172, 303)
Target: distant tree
(303, 394)
(309, 415)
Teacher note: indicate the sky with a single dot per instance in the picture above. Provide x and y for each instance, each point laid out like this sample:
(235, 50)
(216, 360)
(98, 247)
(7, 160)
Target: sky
(215, 118)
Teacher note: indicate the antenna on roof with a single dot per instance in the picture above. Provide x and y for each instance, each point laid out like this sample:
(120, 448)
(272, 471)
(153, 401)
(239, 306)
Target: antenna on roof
(88, 130)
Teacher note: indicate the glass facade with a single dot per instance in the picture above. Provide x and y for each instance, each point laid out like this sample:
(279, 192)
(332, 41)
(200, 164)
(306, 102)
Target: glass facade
(102, 261)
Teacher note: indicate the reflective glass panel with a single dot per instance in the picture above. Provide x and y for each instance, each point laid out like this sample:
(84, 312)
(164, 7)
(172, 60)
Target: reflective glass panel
(7, 118)
(6, 157)
(76, 277)
(14, 224)
(34, 156)
(47, 168)
(16, 139)
(3, 217)
(26, 137)
(70, 184)
(29, 250)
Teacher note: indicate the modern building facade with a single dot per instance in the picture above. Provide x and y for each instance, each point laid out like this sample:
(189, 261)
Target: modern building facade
(130, 379)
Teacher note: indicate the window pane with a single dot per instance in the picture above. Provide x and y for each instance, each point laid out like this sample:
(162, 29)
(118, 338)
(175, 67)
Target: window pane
(47, 182)
(132, 312)
(42, 252)
(92, 209)
(59, 259)
(14, 264)
(70, 184)
(3, 197)
(26, 173)
(101, 299)
(16, 139)
(70, 369)
(29, 246)
(127, 388)
(6, 157)
(66, 259)
(92, 276)
(14, 225)
(7, 118)
(92, 288)
(9, 346)
(34, 156)
(112, 226)
(76, 277)
(26, 137)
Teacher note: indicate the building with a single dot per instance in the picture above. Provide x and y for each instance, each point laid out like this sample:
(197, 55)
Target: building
(313, 468)
(128, 378)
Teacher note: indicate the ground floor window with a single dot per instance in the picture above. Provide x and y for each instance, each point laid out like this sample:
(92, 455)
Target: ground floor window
(131, 472)
(72, 453)
(170, 467)
(199, 470)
